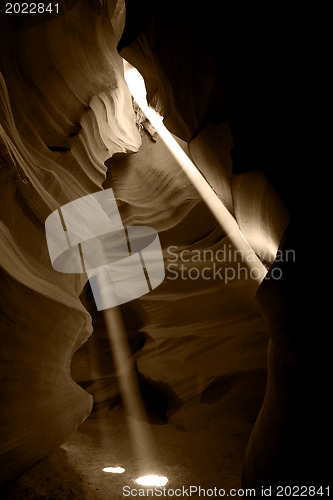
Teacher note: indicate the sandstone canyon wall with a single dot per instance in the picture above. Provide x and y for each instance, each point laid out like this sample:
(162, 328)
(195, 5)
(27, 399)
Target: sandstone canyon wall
(65, 113)
(241, 67)
(65, 109)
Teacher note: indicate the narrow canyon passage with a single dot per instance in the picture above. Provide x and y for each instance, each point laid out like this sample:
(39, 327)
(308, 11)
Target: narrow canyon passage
(201, 363)
(232, 382)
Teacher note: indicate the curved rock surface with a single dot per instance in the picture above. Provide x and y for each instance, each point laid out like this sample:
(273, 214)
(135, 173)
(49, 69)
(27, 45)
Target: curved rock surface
(248, 77)
(64, 109)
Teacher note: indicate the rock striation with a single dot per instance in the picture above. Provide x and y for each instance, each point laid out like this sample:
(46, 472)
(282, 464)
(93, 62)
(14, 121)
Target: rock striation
(64, 109)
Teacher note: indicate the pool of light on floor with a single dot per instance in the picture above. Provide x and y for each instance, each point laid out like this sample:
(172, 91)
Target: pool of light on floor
(152, 480)
(114, 470)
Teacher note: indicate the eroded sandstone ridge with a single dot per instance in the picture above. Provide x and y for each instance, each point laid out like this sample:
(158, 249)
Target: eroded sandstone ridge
(64, 109)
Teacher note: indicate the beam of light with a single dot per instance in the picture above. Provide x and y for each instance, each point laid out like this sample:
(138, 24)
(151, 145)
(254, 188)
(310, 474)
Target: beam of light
(114, 470)
(226, 220)
(142, 443)
(152, 480)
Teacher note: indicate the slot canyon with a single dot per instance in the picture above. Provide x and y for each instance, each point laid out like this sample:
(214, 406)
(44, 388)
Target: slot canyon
(224, 366)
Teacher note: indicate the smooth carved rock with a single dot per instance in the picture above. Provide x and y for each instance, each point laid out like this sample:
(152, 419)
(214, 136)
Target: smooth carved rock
(64, 109)
(218, 65)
